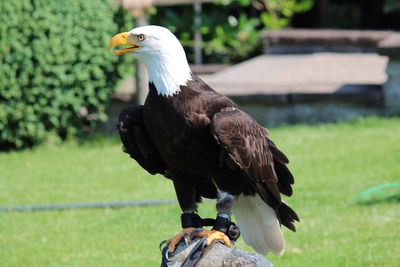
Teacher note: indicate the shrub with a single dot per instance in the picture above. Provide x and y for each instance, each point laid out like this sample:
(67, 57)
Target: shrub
(229, 34)
(391, 6)
(56, 73)
(230, 28)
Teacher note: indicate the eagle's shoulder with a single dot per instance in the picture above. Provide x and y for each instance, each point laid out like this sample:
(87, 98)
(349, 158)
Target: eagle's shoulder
(200, 102)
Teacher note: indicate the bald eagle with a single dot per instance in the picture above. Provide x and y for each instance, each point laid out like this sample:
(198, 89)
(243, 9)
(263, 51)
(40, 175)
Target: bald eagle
(205, 144)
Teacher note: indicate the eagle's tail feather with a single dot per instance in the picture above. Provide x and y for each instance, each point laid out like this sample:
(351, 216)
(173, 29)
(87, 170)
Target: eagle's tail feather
(285, 178)
(288, 216)
(259, 225)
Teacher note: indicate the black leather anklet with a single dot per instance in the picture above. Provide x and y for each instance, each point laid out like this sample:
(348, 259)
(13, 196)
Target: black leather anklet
(190, 220)
(224, 224)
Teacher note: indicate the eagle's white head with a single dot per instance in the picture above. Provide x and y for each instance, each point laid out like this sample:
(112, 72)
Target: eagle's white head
(161, 52)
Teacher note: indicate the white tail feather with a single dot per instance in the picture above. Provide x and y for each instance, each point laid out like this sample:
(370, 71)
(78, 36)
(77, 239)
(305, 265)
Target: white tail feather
(258, 225)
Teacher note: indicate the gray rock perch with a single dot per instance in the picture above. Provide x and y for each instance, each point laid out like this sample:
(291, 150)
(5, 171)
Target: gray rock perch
(216, 255)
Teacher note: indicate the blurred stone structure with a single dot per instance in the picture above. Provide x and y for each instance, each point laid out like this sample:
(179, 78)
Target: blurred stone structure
(385, 43)
(390, 47)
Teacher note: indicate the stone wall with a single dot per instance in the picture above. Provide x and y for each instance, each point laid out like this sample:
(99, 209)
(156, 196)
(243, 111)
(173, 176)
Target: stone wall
(385, 43)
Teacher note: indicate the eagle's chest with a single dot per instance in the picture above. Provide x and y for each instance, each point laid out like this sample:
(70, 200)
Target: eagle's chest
(183, 146)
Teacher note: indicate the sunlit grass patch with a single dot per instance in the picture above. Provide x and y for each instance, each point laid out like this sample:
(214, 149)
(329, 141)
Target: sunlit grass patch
(331, 163)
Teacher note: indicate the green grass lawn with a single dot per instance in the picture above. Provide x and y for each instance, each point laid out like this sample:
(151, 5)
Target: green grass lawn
(331, 164)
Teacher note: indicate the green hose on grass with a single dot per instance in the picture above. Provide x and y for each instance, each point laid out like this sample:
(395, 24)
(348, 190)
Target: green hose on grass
(389, 192)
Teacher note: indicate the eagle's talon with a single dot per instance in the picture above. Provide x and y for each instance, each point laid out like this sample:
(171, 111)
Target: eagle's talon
(162, 245)
(218, 235)
(195, 232)
(214, 235)
(186, 238)
(184, 234)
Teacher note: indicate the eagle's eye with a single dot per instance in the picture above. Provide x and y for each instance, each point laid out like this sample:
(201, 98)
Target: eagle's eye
(140, 37)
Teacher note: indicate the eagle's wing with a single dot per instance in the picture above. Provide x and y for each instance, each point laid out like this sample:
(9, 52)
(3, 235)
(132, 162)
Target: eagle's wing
(137, 142)
(247, 146)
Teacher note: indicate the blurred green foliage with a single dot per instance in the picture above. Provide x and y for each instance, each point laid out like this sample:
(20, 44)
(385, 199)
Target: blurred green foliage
(56, 71)
(276, 14)
(229, 34)
(230, 28)
(391, 6)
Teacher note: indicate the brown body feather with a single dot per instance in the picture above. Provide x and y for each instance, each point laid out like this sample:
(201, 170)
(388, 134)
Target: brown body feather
(199, 136)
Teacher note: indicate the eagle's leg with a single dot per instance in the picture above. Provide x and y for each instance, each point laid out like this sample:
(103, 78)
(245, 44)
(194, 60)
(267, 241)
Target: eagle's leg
(222, 222)
(187, 198)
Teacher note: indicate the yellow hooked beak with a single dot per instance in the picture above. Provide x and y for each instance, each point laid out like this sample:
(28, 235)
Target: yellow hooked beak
(121, 39)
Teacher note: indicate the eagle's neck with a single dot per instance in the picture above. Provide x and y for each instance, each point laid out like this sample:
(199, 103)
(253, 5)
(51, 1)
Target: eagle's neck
(168, 74)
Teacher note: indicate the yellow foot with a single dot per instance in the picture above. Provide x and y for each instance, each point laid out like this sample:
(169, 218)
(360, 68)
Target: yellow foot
(174, 241)
(215, 235)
